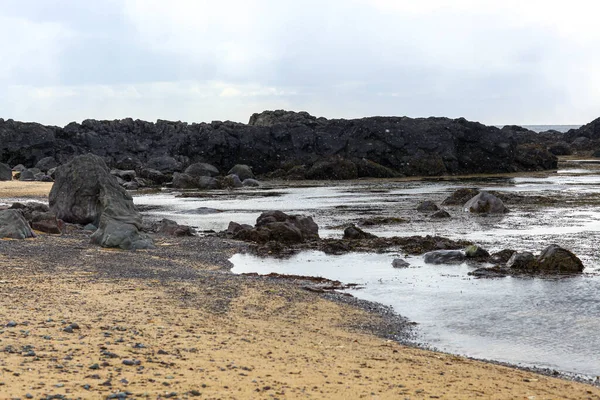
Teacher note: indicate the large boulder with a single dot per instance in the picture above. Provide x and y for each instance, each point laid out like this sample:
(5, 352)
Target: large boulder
(557, 259)
(27, 175)
(522, 260)
(485, 203)
(86, 193)
(202, 169)
(5, 172)
(13, 225)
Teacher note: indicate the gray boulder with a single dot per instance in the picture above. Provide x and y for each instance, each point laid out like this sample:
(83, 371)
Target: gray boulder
(202, 169)
(184, 181)
(242, 171)
(154, 176)
(5, 172)
(445, 257)
(460, 196)
(276, 226)
(207, 183)
(440, 214)
(86, 193)
(485, 203)
(19, 168)
(46, 163)
(335, 169)
(172, 228)
(14, 226)
(400, 263)
(475, 251)
(522, 260)
(231, 181)
(557, 259)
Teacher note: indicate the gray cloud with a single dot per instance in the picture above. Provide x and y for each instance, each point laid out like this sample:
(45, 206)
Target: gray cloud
(204, 60)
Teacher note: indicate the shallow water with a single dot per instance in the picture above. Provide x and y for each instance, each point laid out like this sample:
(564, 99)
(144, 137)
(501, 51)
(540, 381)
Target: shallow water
(542, 322)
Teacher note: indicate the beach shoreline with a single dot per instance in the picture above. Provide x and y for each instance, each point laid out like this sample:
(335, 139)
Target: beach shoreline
(253, 336)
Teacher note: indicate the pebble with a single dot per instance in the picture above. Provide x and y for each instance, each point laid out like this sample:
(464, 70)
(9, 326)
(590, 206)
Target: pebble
(94, 366)
(11, 324)
(132, 362)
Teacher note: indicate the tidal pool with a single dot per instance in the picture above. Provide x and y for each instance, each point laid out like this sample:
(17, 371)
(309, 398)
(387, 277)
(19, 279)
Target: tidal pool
(551, 323)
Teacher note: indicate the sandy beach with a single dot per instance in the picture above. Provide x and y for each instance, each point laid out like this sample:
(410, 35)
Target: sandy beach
(84, 322)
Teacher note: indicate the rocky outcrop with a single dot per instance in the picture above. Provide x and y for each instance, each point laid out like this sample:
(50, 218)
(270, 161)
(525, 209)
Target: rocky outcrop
(276, 226)
(13, 225)
(280, 140)
(86, 193)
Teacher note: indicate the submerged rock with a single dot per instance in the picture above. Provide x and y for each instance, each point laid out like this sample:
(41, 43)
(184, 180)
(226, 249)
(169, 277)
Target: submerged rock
(485, 203)
(445, 257)
(400, 263)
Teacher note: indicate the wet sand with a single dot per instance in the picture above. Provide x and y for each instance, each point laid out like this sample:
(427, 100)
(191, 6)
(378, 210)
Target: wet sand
(173, 322)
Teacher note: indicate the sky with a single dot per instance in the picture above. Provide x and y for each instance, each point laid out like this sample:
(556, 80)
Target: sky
(497, 62)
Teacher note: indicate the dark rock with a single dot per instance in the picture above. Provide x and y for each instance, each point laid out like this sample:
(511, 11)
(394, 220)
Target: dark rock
(491, 272)
(242, 171)
(353, 233)
(202, 169)
(46, 222)
(231, 181)
(5, 172)
(29, 208)
(557, 259)
(373, 221)
(27, 175)
(460, 197)
(445, 257)
(276, 226)
(534, 157)
(272, 139)
(207, 183)
(164, 164)
(46, 163)
(427, 207)
(440, 214)
(370, 169)
(128, 164)
(485, 203)
(560, 149)
(13, 225)
(154, 176)
(251, 183)
(172, 228)
(19, 168)
(502, 256)
(334, 169)
(127, 175)
(523, 260)
(43, 178)
(85, 192)
(184, 181)
(131, 185)
(475, 251)
(400, 263)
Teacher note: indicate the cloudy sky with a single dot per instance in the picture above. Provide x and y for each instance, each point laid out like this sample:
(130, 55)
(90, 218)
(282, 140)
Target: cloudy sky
(508, 61)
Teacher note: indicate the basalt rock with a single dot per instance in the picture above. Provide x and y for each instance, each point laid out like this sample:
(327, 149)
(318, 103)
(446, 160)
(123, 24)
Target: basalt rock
(557, 259)
(276, 226)
(14, 226)
(86, 193)
(354, 233)
(460, 196)
(202, 169)
(242, 171)
(273, 139)
(445, 257)
(427, 206)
